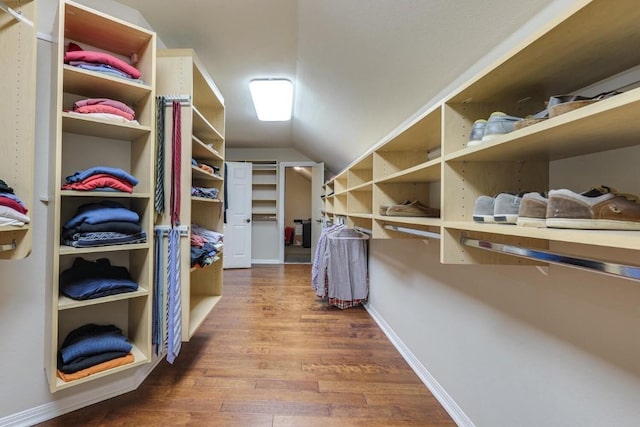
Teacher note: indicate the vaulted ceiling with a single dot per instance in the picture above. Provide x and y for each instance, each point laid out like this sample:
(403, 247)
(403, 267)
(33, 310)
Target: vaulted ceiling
(360, 67)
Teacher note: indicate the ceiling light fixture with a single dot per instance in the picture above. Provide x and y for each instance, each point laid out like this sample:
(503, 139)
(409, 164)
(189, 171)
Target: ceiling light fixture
(272, 99)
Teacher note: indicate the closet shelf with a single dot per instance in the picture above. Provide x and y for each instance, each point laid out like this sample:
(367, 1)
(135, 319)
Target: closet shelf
(69, 250)
(425, 172)
(205, 200)
(364, 187)
(431, 222)
(66, 303)
(621, 239)
(571, 134)
(202, 151)
(79, 81)
(104, 194)
(203, 129)
(139, 359)
(76, 123)
(202, 174)
(200, 307)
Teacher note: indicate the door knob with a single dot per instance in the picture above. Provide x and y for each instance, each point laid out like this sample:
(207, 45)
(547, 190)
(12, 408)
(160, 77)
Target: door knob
(248, 220)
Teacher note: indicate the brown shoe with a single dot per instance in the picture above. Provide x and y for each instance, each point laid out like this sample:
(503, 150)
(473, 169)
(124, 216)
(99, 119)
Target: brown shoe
(601, 208)
(415, 208)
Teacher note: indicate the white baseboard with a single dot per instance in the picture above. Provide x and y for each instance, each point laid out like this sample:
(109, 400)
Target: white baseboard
(447, 402)
(65, 405)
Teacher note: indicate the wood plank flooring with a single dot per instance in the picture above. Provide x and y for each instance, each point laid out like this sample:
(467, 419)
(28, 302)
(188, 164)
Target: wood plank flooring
(273, 354)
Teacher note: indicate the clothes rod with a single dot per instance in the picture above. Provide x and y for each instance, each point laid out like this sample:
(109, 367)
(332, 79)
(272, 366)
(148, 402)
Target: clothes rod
(363, 230)
(8, 247)
(17, 15)
(613, 269)
(422, 233)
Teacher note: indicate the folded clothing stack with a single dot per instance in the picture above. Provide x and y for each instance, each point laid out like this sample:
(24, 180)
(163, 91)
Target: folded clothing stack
(102, 224)
(205, 246)
(101, 62)
(12, 210)
(95, 279)
(101, 178)
(92, 348)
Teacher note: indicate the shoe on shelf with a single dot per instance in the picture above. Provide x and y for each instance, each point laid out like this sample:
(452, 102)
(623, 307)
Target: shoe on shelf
(506, 208)
(561, 104)
(499, 124)
(533, 210)
(477, 132)
(415, 208)
(483, 209)
(601, 208)
(384, 208)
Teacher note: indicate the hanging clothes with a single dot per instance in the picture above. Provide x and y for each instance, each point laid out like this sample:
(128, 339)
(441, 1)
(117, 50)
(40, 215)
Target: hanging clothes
(340, 268)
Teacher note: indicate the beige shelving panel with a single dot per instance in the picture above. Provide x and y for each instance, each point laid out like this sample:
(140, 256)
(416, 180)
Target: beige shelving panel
(600, 37)
(18, 64)
(264, 191)
(84, 142)
(181, 73)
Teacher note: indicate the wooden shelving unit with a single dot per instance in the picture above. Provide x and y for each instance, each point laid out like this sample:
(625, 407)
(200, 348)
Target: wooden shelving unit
(18, 64)
(85, 142)
(181, 73)
(600, 36)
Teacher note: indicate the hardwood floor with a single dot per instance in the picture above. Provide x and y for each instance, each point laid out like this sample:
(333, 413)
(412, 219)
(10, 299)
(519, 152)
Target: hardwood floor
(273, 354)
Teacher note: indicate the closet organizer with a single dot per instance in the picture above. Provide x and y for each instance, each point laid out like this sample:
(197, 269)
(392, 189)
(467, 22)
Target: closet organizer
(103, 203)
(17, 121)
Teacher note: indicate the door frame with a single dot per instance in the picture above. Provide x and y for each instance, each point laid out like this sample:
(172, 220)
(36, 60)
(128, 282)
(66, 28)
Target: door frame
(281, 175)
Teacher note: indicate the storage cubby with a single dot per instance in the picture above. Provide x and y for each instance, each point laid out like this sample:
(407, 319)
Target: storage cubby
(18, 64)
(599, 36)
(85, 141)
(182, 77)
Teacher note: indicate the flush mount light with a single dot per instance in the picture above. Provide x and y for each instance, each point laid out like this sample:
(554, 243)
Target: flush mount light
(272, 99)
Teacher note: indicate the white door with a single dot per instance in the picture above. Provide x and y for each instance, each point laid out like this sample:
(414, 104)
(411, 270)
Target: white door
(317, 202)
(237, 230)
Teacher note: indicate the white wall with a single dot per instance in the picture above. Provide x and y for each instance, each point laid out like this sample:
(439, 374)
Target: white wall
(279, 154)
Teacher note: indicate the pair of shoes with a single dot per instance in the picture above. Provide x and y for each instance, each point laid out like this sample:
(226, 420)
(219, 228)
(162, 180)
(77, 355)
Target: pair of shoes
(502, 209)
(414, 208)
(560, 104)
(498, 124)
(600, 208)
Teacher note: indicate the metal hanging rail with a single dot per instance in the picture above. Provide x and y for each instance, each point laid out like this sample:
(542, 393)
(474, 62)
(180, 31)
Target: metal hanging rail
(164, 230)
(169, 99)
(618, 270)
(16, 14)
(421, 233)
(363, 230)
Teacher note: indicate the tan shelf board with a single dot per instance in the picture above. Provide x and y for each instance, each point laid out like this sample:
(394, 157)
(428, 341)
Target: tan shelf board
(118, 36)
(93, 84)
(423, 134)
(69, 250)
(362, 215)
(104, 194)
(200, 150)
(200, 307)
(365, 164)
(264, 199)
(364, 187)
(407, 220)
(65, 303)
(12, 229)
(264, 184)
(203, 129)
(541, 63)
(76, 123)
(202, 174)
(139, 359)
(606, 238)
(425, 172)
(205, 200)
(578, 132)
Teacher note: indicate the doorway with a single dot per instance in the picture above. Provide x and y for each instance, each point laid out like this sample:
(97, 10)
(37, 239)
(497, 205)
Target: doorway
(297, 214)
(300, 188)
